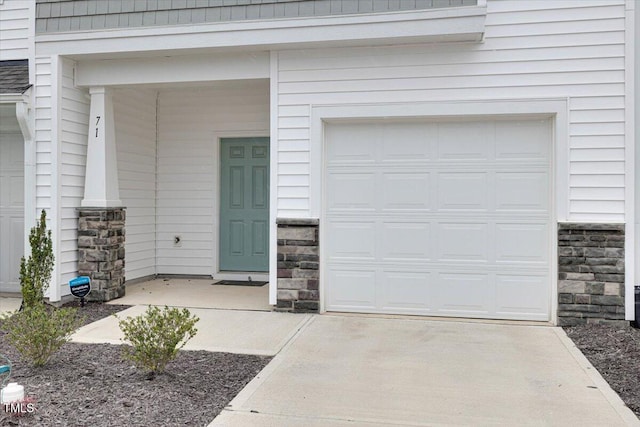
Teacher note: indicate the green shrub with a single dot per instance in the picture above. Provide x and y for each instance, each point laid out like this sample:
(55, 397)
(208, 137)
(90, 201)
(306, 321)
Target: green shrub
(156, 336)
(38, 331)
(35, 272)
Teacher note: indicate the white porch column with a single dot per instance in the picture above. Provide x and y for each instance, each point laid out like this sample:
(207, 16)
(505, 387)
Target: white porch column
(101, 177)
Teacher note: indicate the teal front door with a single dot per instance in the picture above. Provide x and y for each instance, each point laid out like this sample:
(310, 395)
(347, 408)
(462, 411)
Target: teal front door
(244, 204)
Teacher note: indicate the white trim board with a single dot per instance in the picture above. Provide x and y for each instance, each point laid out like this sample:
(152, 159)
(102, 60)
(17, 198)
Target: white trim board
(273, 178)
(173, 70)
(434, 25)
(633, 116)
(55, 292)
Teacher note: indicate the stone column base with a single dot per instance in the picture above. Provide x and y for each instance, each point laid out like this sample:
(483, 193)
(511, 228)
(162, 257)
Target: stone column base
(101, 237)
(298, 265)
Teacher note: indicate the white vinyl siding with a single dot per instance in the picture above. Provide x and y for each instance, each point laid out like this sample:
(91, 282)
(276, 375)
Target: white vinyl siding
(135, 119)
(74, 122)
(532, 50)
(190, 121)
(14, 29)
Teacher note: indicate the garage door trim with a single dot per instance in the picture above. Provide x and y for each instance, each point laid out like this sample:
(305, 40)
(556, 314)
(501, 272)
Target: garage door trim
(489, 110)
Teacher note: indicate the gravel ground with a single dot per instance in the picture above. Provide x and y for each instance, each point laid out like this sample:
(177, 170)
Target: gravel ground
(615, 353)
(92, 385)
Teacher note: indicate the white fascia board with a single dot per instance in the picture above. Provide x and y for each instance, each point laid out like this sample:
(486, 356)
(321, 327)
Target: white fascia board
(10, 98)
(173, 69)
(450, 24)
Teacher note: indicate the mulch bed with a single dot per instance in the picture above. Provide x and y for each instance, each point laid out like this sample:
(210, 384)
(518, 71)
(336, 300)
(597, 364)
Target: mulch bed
(92, 385)
(615, 353)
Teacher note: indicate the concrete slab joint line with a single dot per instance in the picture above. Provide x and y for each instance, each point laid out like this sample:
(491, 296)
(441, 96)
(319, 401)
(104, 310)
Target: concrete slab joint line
(248, 391)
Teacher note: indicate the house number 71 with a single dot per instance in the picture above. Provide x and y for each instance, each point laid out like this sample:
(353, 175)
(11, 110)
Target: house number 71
(97, 121)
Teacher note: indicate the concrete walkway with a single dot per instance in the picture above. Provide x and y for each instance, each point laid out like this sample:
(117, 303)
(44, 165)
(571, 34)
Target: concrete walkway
(232, 331)
(369, 371)
(9, 304)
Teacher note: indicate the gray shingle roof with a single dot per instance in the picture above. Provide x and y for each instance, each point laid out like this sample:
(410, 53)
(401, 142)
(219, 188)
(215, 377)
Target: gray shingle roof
(14, 76)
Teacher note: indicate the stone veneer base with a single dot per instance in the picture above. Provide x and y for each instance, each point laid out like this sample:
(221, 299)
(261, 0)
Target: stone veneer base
(101, 237)
(591, 273)
(298, 265)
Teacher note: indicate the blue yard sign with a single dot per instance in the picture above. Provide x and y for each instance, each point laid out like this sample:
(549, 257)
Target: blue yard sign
(80, 287)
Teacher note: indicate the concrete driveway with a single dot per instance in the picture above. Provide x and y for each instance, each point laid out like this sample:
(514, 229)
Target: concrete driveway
(372, 371)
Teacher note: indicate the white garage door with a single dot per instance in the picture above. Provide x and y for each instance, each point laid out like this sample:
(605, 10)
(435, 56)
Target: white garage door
(442, 218)
(11, 200)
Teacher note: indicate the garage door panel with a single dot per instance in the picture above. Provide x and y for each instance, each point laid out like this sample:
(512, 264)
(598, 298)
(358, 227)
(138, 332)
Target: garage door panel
(453, 218)
(408, 292)
(464, 242)
(522, 191)
(11, 152)
(352, 191)
(463, 191)
(405, 191)
(11, 208)
(407, 142)
(522, 140)
(352, 289)
(463, 141)
(16, 227)
(348, 145)
(17, 191)
(521, 243)
(522, 295)
(408, 241)
(464, 293)
(351, 240)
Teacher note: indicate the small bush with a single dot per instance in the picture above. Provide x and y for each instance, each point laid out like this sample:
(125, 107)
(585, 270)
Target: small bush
(38, 331)
(35, 272)
(156, 336)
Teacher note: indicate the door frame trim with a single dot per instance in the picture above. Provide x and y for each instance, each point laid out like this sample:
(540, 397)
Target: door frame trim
(216, 273)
